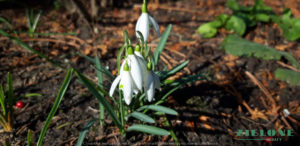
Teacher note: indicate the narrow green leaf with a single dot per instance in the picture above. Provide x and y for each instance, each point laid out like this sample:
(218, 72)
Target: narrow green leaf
(100, 84)
(162, 100)
(126, 38)
(174, 70)
(119, 57)
(94, 91)
(102, 69)
(142, 117)
(2, 100)
(27, 95)
(83, 132)
(10, 95)
(3, 20)
(86, 57)
(55, 106)
(36, 20)
(159, 108)
(29, 138)
(161, 44)
(99, 74)
(148, 129)
(141, 37)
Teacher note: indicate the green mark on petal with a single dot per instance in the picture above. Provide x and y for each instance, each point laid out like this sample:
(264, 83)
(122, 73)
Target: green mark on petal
(121, 86)
(126, 67)
(137, 48)
(130, 50)
(149, 65)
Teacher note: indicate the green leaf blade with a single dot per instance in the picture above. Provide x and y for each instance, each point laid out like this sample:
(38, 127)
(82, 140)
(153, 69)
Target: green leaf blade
(161, 44)
(142, 117)
(55, 106)
(100, 98)
(148, 129)
(84, 131)
(159, 108)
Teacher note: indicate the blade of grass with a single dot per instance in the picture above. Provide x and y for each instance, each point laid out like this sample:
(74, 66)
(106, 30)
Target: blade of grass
(10, 95)
(148, 129)
(159, 108)
(29, 138)
(100, 84)
(174, 70)
(161, 44)
(3, 20)
(29, 48)
(141, 116)
(27, 95)
(83, 132)
(94, 91)
(167, 123)
(36, 20)
(119, 57)
(2, 100)
(55, 106)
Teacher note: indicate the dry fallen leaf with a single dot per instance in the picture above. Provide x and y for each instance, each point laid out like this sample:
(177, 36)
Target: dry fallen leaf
(256, 114)
(208, 127)
(203, 118)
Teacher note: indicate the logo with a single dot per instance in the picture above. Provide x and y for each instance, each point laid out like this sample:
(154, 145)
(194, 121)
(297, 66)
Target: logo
(268, 136)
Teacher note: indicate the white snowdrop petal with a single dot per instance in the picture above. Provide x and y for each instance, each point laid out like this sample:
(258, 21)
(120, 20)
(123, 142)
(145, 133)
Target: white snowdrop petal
(136, 72)
(155, 25)
(138, 54)
(150, 89)
(142, 62)
(114, 85)
(143, 26)
(126, 87)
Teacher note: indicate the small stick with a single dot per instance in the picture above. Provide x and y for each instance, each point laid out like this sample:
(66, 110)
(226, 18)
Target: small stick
(165, 61)
(288, 66)
(286, 122)
(262, 88)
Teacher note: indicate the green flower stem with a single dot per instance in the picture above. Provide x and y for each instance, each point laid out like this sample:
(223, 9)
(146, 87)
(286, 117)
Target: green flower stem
(144, 7)
(167, 123)
(121, 111)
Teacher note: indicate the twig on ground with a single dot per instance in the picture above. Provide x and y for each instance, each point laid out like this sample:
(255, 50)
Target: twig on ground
(263, 89)
(288, 66)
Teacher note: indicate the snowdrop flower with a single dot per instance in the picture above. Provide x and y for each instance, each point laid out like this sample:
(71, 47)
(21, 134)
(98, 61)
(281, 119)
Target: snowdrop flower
(136, 71)
(151, 83)
(143, 23)
(140, 58)
(126, 84)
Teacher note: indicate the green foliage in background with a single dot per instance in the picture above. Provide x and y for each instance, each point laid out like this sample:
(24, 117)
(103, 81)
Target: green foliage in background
(244, 17)
(238, 46)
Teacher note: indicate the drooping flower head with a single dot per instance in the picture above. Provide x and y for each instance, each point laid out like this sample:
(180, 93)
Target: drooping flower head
(151, 83)
(126, 84)
(143, 23)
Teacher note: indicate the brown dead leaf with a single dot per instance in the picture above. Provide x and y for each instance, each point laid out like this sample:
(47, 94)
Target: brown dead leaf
(54, 52)
(256, 114)
(190, 124)
(114, 72)
(281, 47)
(259, 40)
(208, 127)
(203, 118)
